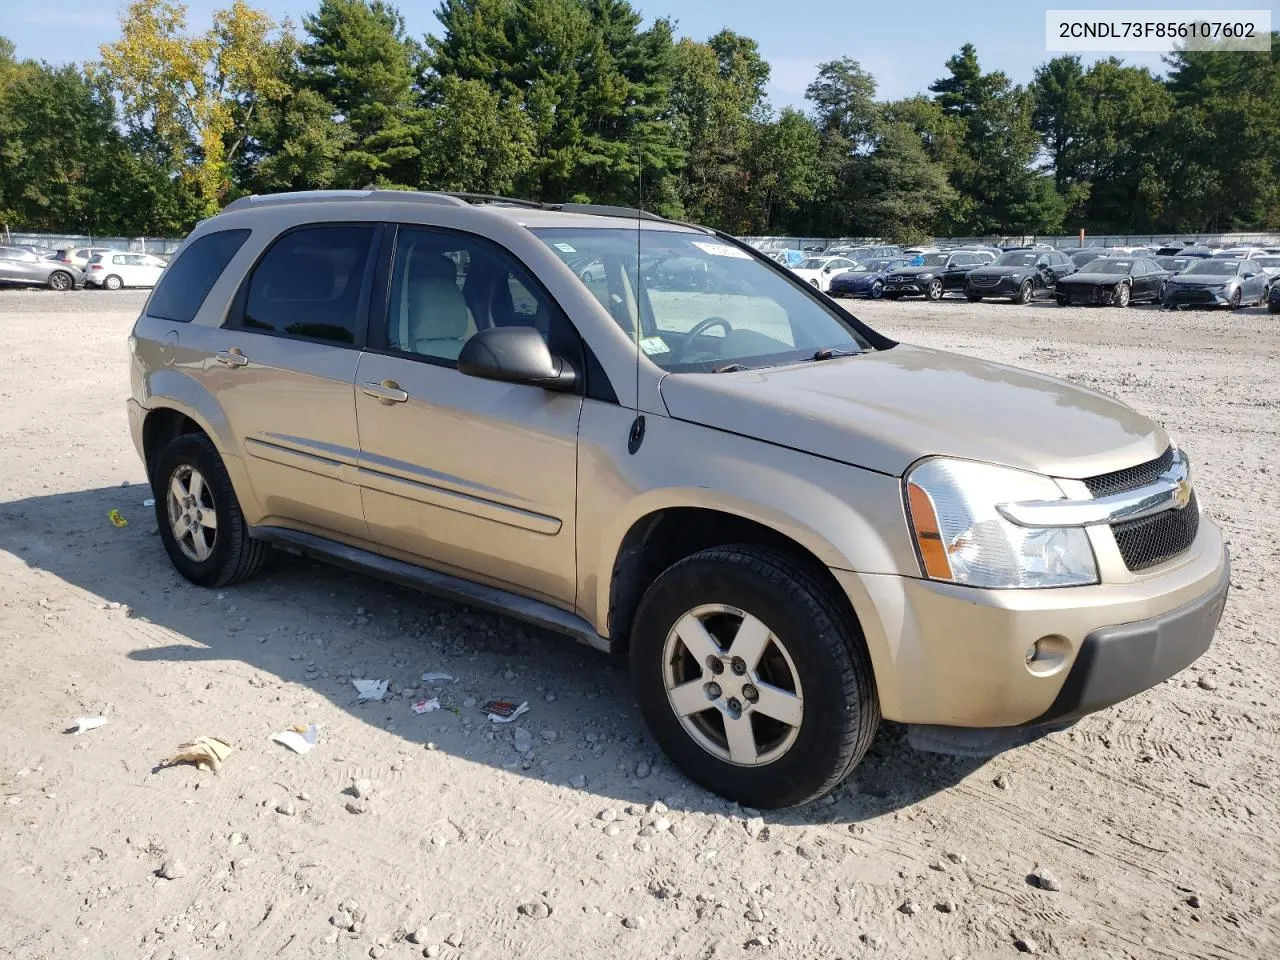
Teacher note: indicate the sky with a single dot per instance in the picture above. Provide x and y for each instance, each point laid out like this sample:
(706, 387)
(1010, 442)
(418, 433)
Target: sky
(904, 45)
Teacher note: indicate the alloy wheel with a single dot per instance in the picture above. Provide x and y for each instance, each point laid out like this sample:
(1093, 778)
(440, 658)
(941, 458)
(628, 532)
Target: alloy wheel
(733, 685)
(193, 517)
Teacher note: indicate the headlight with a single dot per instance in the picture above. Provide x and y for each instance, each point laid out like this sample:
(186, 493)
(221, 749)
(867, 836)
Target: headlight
(951, 506)
(924, 276)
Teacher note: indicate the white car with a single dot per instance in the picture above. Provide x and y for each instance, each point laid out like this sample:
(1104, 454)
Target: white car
(116, 269)
(818, 271)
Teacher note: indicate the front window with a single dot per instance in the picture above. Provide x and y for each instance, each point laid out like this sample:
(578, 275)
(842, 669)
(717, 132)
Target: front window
(1108, 266)
(739, 311)
(1216, 268)
(870, 266)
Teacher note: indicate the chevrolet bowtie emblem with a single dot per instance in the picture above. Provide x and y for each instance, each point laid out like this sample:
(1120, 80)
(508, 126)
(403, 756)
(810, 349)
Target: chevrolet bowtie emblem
(1182, 493)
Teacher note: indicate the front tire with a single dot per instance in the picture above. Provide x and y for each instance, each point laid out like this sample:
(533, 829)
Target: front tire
(1024, 293)
(752, 678)
(1234, 302)
(113, 282)
(877, 290)
(934, 290)
(60, 280)
(1121, 298)
(201, 525)
(1062, 300)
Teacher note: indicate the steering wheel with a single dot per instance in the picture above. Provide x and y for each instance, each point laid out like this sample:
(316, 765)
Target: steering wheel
(699, 329)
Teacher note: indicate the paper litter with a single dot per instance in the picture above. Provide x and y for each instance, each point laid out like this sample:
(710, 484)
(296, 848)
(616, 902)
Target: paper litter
(426, 706)
(437, 678)
(370, 689)
(149, 502)
(505, 711)
(204, 752)
(85, 724)
(299, 739)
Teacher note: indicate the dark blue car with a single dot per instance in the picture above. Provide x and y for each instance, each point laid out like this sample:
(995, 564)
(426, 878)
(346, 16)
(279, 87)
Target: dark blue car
(864, 280)
(1273, 297)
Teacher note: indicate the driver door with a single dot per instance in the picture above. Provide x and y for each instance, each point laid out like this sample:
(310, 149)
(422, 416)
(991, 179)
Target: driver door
(472, 477)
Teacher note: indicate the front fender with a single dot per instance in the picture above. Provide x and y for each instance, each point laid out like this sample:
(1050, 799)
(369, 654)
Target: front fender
(848, 518)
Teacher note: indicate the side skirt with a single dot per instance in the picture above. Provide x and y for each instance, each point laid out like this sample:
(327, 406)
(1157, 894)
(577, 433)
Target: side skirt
(494, 599)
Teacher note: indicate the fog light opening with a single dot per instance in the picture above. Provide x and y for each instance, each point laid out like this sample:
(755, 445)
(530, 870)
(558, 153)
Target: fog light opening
(1047, 655)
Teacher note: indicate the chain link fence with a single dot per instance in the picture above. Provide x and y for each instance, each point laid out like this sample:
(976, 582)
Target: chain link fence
(157, 246)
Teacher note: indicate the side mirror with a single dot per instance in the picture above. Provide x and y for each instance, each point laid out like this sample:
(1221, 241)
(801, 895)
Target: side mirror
(515, 355)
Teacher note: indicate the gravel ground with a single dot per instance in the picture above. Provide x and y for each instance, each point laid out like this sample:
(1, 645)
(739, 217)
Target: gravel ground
(1149, 830)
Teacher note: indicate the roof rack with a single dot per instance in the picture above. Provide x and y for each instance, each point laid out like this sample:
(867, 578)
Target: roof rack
(320, 196)
(453, 198)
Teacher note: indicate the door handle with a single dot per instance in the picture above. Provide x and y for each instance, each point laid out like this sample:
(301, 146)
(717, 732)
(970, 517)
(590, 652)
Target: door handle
(232, 357)
(388, 391)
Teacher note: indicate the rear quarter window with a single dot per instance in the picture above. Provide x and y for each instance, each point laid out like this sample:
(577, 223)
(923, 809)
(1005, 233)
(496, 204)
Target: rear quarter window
(191, 276)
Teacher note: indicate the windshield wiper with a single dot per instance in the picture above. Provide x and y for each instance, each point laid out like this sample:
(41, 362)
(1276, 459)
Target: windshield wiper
(731, 368)
(827, 353)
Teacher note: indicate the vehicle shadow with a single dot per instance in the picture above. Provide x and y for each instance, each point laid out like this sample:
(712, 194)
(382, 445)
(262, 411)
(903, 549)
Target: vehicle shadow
(315, 626)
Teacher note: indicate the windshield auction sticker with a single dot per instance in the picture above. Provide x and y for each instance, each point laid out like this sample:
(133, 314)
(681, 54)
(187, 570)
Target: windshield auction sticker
(1157, 31)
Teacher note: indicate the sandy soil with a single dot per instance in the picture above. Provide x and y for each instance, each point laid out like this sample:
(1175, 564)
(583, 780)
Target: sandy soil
(1157, 817)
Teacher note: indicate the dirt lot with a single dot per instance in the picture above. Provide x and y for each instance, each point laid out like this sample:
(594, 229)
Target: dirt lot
(1158, 817)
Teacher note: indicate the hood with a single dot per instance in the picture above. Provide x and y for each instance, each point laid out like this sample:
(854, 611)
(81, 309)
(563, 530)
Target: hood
(861, 276)
(1093, 278)
(886, 409)
(912, 271)
(990, 270)
(1201, 280)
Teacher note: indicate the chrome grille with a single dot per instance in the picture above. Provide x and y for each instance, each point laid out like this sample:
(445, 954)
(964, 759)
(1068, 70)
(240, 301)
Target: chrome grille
(1130, 478)
(1153, 540)
(984, 281)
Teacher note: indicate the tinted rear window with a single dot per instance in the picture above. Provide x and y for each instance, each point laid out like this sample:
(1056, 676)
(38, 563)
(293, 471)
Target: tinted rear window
(309, 282)
(192, 275)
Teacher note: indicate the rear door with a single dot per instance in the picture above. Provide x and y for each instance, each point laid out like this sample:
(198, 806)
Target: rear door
(283, 369)
(468, 476)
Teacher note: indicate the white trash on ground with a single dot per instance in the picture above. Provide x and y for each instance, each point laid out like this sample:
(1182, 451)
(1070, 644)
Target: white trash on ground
(426, 706)
(437, 678)
(299, 739)
(370, 689)
(85, 724)
(505, 711)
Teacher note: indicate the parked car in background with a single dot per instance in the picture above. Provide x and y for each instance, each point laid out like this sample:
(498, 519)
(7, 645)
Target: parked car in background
(1218, 282)
(78, 256)
(23, 268)
(1176, 264)
(984, 254)
(865, 278)
(1113, 281)
(1201, 253)
(1090, 254)
(1270, 266)
(790, 258)
(818, 271)
(114, 270)
(1273, 298)
(1019, 275)
(936, 275)
(1240, 253)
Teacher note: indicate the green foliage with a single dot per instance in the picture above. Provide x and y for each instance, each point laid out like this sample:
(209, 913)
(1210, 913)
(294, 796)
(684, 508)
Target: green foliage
(585, 100)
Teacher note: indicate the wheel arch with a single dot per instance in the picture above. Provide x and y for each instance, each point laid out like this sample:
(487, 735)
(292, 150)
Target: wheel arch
(665, 535)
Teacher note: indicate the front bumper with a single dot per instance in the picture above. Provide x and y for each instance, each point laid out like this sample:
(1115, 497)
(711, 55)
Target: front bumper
(953, 656)
(1196, 298)
(907, 288)
(849, 290)
(1086, 295)
(1003, 287)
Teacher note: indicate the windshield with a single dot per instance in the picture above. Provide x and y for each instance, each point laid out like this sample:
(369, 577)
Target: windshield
(1172, 263)
(760, 317)
(1107, 266)
(1217, 268)
(870, 266)
(1017, 260)
(813, 263)
(1269, 263)
(934, 260)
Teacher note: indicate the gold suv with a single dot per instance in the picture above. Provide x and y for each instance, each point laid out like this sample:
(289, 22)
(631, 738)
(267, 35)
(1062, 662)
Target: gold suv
(651, 437)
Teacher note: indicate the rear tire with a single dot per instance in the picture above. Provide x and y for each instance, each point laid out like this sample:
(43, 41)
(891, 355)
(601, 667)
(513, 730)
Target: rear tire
(232, 555)
(113, 282)
(808, 649)
(60, 280)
